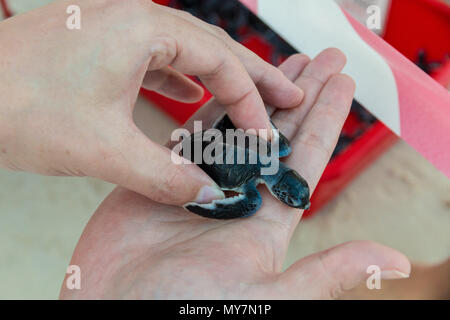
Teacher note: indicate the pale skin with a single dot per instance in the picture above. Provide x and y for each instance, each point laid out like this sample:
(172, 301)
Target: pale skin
(134, 247)
(67, 96)
(66, 109)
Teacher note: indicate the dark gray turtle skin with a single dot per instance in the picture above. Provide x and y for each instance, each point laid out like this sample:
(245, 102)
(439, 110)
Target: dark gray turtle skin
(286, 185)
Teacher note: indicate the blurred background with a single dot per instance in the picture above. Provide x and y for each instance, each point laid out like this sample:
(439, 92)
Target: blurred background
(375, 187)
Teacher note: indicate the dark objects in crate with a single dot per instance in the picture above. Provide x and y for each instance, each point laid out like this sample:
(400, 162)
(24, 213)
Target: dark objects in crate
(351, 132)
(240, 23)
(237, 21)
(363, 115)
(425, 64)
(342, 144)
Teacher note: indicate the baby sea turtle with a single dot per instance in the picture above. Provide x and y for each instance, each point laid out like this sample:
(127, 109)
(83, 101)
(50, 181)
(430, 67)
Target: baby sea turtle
(286, 184)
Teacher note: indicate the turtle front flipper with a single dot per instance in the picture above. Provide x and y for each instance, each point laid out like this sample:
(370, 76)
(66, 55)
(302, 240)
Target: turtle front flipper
(284, 147)
(243, 205)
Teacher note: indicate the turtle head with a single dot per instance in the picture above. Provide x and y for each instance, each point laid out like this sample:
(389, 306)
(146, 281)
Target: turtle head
(292, 190)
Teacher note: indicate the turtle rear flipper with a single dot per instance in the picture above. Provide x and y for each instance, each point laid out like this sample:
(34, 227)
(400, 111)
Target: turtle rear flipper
(243, 205)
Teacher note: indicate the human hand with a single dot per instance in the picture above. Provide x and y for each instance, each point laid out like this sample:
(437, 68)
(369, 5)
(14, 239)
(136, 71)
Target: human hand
(136, 248)
(67, 96)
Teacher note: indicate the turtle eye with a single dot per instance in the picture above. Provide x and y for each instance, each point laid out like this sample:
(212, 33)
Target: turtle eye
(289, 201)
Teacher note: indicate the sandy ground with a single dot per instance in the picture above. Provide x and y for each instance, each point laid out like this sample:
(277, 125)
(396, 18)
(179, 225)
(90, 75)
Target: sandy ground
(400, 201)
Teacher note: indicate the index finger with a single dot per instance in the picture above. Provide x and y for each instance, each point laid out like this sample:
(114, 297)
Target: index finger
(192, 50)
(273, 85)
(316, 139)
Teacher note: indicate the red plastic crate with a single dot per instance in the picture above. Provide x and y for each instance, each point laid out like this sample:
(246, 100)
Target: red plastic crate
(431, 36)
(419, 24)
(5, 9)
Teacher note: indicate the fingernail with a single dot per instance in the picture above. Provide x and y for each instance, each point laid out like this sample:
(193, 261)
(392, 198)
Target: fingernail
(393, 274)
(208, 194)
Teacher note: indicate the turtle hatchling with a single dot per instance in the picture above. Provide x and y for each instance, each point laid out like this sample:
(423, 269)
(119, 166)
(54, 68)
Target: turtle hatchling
(242, 177)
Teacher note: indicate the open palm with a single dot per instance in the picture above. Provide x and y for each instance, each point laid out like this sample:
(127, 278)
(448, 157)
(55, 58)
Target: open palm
(136, 248)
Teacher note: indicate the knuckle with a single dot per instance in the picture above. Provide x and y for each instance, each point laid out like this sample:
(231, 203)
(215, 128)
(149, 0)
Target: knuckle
(301, 56)
(335, 113)
(345, 77)
(314, 140)
(346, 80)
(173, 178)
(219, 31)
(338, 113)
(218, 67)
(183, 12)
(266, 71)
(186, 15)
(335, 286)
(138, 5)
(274, 73)
(262, 74)
(163, 52)
(224, 38)
(169, 186)
(143, 4)
(333, 110)
(312, 77)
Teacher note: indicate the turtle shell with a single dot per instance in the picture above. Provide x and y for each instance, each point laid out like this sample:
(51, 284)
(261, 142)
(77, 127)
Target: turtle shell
(232, 170)
(240, 157)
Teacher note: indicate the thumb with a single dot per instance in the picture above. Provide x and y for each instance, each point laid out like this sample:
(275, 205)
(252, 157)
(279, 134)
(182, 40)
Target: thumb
(143, 166)
(325, 275)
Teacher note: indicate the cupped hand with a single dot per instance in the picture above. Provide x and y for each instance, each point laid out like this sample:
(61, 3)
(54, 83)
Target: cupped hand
(67, 96)
(136, 248)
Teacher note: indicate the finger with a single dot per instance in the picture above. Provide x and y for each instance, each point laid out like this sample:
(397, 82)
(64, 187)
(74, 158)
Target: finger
(192, 50)
(173, 84)
(316, 139)
(211, 111)
(274, 87)
(327, 274)
(312, 79)
(313, 144)
(292, 67)
(136, 163)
